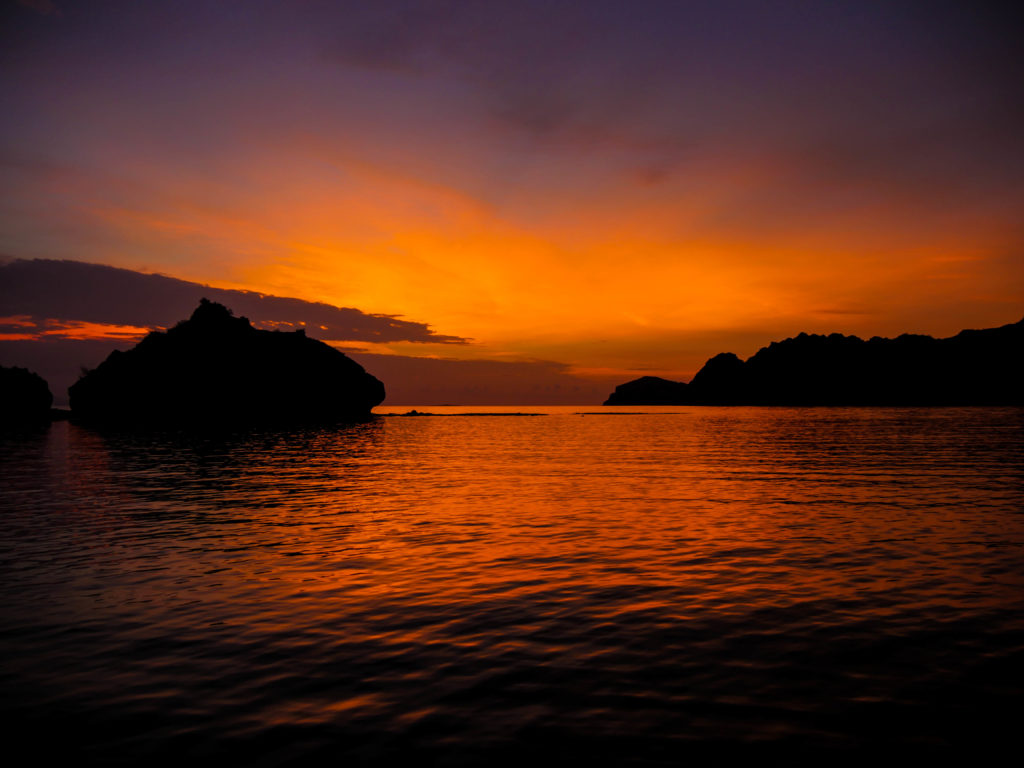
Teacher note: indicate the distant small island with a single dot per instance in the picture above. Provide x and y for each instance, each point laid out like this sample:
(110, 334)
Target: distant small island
(975, 367)
(216, 368)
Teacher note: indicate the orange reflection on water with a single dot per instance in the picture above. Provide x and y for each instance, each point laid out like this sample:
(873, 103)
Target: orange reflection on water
(485, 572)
(684, 514)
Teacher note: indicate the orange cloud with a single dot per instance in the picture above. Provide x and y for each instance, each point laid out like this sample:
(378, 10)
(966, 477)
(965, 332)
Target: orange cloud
(68, 329)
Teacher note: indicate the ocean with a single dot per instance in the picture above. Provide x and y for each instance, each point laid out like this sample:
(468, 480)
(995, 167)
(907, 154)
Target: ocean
(629, 586)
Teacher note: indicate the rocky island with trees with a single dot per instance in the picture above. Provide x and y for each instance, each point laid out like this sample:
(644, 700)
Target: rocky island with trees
(217, 368)
(25, 397)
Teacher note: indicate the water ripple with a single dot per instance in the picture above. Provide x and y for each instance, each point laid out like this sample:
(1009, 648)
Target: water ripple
(559, 588)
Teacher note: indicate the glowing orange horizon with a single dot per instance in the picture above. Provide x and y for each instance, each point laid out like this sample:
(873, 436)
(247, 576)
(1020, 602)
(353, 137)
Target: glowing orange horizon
(625, 279)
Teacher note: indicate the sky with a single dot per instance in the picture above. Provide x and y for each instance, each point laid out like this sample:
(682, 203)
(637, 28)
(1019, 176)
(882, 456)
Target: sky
(582, 192)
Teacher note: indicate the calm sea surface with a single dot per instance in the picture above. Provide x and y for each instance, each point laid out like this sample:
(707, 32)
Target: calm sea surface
(636, 588)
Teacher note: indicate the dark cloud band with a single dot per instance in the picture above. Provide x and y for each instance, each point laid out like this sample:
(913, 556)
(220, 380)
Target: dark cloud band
(74, 291)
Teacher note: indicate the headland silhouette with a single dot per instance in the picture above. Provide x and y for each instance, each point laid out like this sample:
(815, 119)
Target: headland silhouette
(975, 367)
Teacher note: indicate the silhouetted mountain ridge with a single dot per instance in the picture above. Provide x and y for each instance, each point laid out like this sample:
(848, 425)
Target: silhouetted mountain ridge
(975, 367)
(215, 367)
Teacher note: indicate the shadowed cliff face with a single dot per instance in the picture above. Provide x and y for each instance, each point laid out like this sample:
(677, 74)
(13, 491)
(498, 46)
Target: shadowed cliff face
(215, 367)
(975, 367)
(24, 397)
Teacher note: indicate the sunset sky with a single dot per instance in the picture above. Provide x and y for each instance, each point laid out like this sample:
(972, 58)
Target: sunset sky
(610, 188)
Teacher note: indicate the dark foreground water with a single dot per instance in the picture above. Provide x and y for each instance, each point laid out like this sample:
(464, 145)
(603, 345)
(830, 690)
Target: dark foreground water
(555, 589)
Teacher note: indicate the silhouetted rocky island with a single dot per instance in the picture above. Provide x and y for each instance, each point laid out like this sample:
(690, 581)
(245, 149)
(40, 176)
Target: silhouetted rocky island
(648, 390)
(975, 367)
(25, 397)
(217, 368)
